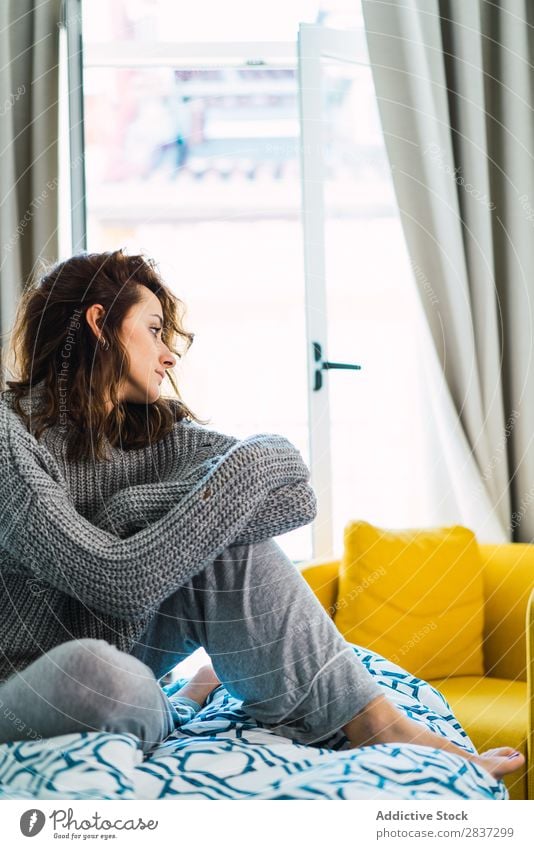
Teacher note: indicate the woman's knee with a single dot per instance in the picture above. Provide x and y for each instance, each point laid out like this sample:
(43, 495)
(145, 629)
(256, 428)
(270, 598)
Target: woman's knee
(118, 692)
(86, 685)
(95, 671)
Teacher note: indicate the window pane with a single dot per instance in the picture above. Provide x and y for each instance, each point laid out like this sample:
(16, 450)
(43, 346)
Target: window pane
(211, 20)
(203, 20)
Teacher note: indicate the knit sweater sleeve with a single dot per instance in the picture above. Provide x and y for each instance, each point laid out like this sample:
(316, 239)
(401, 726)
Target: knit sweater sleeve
(281, 510)
(128, 578)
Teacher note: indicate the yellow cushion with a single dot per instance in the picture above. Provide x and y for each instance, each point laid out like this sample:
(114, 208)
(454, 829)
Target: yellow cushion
(414, 596)
(493, 712)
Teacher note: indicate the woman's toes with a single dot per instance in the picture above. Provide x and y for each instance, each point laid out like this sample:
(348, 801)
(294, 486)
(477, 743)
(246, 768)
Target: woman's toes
(503, 751)
(501, 761)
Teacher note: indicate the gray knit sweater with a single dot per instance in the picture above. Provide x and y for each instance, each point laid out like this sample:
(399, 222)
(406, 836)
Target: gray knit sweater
(91, 549)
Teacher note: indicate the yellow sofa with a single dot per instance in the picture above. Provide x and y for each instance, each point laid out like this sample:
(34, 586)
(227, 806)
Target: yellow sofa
(498, 708)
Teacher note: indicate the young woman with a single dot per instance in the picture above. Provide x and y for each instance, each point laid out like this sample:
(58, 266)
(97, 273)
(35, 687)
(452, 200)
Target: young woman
(130, 535)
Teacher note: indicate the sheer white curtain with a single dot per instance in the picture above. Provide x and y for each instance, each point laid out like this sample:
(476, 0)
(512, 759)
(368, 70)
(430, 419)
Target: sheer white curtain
(455, 90)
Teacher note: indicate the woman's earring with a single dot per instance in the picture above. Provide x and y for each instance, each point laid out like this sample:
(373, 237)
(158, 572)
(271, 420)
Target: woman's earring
(104, 343)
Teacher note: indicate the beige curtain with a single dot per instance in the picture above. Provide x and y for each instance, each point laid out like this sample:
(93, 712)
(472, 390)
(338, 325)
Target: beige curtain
(29, 53)
(455, 88)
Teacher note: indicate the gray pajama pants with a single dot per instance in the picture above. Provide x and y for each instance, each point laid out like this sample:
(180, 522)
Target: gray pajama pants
(269, 639)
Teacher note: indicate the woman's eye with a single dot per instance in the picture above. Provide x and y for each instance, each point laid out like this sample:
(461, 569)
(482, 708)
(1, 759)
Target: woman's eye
(157, 329)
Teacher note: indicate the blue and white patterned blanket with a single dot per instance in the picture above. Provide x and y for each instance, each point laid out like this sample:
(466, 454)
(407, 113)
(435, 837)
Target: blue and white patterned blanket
(224, 754)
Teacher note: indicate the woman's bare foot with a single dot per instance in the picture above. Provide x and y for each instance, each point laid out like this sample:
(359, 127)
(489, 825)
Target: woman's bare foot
(381, 722)
(203, 682)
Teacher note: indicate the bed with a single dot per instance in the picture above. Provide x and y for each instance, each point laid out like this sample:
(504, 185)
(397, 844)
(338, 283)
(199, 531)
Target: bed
(225, 754)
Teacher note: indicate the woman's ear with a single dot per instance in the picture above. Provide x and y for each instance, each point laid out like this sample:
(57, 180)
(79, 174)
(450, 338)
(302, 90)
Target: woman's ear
(94, 316)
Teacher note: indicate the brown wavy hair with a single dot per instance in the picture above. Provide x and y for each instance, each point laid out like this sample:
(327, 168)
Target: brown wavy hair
(50, 321)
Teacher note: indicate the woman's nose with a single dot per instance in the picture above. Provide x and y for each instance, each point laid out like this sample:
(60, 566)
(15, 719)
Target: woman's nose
(169, 360)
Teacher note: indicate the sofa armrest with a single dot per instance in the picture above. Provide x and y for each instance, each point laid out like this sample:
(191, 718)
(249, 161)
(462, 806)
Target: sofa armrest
(530, 690)
(508, 572)
(322, 577)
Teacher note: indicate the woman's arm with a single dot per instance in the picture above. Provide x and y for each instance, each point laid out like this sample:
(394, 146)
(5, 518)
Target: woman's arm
(40, 527)
(282, 510)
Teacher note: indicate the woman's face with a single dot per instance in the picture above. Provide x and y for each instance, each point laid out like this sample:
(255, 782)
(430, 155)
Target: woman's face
(149, 355)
